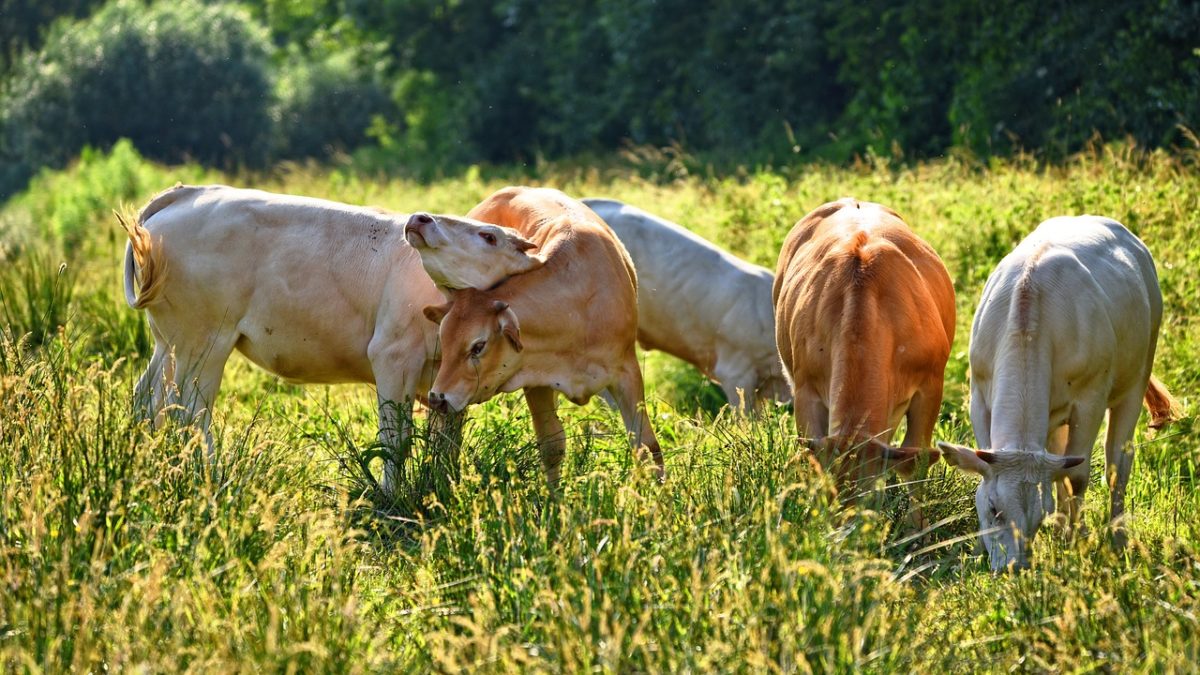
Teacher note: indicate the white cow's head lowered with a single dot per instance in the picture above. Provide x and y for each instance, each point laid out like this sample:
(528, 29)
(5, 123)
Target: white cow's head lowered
(464, 253)
(1015, 496)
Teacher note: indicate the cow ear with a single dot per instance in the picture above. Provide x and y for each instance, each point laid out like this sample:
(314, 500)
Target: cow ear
(529, 262)
(1062, 464)
(436, 313)
(509, 325)
(967, 459)
(905, 459)
(522, 244)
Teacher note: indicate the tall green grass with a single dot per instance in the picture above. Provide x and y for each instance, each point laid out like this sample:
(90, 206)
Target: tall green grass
(123, 547)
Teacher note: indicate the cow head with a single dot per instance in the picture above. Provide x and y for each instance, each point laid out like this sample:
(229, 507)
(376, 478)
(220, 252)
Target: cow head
(464, 253)
(1013, 499)
(852, 460)
(481, 349)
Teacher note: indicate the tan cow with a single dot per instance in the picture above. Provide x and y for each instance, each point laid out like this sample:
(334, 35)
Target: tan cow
(864, 314)
(695, 301)
(311, 290)
(568, 326)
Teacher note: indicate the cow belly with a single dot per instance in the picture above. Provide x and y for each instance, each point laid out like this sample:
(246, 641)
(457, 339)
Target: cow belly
(657, 330)
(301, 352)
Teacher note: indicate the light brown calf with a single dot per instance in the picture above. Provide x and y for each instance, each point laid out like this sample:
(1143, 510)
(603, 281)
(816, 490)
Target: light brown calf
(864, 313)
(570, 325)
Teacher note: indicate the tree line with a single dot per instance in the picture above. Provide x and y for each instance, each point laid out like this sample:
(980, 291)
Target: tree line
(451, 82)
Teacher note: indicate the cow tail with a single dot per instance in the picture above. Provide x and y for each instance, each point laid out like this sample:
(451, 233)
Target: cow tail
(145, 267)
(1163, 407)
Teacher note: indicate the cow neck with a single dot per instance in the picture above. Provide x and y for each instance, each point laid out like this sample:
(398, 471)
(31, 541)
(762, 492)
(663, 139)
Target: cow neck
(1021, 394)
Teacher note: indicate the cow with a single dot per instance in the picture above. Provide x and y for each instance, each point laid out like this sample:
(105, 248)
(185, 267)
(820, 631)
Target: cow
(1065, 330)
(695, 301)
(864, 317)
(310, 290)
(701, 304)
(568, 326)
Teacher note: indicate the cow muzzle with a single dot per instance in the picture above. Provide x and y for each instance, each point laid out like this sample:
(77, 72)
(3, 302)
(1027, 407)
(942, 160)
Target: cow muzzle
(437, 401)
(417, 229)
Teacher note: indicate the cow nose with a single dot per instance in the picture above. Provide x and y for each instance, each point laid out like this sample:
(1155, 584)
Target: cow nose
(419, 220)
(438, 402)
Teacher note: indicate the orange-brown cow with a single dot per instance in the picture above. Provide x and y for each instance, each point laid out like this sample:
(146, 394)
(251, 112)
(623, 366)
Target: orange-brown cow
(570, 325)
(864, 313)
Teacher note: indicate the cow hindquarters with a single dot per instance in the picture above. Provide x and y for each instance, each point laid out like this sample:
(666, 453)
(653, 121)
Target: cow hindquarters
(630, 397)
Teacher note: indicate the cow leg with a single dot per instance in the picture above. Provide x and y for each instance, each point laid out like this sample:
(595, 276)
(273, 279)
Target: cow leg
(151, 390)
(196, 374)
(608, 398)
(981, 418)
(398, 366)
(739, 384)
(922, 415)
(812, 417)
(1084, 424)
(395, 432)
(552, 439)
(629, 394)
(154, 387)
(1118, 457)
(1056, 444)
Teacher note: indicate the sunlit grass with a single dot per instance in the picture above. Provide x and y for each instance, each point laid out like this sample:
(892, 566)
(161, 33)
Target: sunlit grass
(123, 547)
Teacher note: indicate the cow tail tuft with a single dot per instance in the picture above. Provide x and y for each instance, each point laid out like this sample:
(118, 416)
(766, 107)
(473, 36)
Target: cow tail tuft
(1163, 407)
(145, 266)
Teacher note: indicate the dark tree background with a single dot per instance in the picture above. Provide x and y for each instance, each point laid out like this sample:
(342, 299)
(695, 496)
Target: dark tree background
(448, 82)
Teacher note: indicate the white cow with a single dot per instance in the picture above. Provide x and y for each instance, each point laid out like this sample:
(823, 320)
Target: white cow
(1066, 330)
(311, 290)
(701, 304)
(695, 301)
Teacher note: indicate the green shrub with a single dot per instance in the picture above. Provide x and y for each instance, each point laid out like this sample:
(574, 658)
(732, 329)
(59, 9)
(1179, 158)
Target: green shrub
(182, 80)
(63, 207)
(327, 104)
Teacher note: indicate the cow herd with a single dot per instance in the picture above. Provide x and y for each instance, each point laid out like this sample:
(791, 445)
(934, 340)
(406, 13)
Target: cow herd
(535, 291)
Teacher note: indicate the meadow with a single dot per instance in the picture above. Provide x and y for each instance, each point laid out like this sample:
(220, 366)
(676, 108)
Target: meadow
(122, 547)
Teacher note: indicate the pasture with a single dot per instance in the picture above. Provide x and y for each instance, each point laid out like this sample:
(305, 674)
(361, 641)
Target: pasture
(122, 547)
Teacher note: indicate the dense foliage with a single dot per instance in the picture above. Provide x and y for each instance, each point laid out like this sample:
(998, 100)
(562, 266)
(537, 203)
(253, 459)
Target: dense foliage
(438, 84)
(184, 81)
(123, 548)
(759, 79)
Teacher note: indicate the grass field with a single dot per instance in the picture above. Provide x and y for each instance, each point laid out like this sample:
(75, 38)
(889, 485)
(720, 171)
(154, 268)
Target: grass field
(122, 547)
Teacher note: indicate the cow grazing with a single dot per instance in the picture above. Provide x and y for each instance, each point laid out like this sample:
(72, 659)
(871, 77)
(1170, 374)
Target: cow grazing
(701, 304)
(1066, 330)
(570, 325)
(864, 316)
(695, 301)
(311, 290)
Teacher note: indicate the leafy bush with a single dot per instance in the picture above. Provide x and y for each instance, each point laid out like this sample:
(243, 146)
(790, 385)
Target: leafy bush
(182, 80)
(327, 104)
(61, 208)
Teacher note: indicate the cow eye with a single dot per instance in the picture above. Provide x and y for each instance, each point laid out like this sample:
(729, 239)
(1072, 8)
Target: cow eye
(477, 348)
(489, 238)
